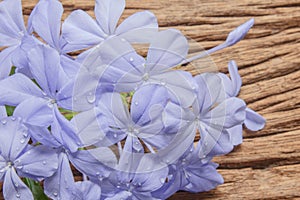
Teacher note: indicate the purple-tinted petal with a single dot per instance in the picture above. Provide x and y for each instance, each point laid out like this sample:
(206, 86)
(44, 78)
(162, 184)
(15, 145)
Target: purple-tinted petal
(254, 121)
(35, 111)
(69, 66)
(46, 21)
(37, 163)
(88, 128)
(65, 132)
(3, 112)
(180, 84)
(203, 178)
(235, 134)
(86, 190)
(108, 13)
(6, 61)
(13, 137)
(144, 101)
(14, 187)
(17, 88)
(12, 28)
(168, 49)
(120, 195)
(3, 167)
(43, 136)
(140, 27)
(44, 63)
(81, 30)
(210, 92)
(235, 78)
(60, 185)
(227, 114)
(95, 162)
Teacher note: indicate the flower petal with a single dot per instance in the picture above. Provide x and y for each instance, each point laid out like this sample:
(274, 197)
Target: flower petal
(254, 121)
(108, 13)
(13, 137)
(46, 21)
(6, 61)
(12, 28)
(140, 27)
(60, 185)
(235, 78)
(86, 190)
(168, 49)
(81, 30)
(37, 163)
(14, 187)
(44, 63)
(17, 88)
(35, 111)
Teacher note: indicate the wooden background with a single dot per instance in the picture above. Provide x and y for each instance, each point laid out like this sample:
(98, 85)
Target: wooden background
(267, 164)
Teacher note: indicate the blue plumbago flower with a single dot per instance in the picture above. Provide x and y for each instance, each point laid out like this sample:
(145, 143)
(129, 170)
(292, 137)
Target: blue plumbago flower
(81, 30)
(191, 174)
(94, 163)
(45, 67)
(17, 157)
(14, 36)
(46, 22)
(123, 70)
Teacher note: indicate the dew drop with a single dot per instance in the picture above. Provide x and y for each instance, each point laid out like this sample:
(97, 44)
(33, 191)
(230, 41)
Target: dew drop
(55, 194)
(22, 140)
(16, 184)
(18, 195)
(123, 40)
(127, 184)
(131, 59)
(13, 118)
(146, 77)
(27, 171)
(3, 121)
(118, 186)
(162, 180)
(136, 103)
(91, 98)
(25, 133)
(163, 82)
(20, 167)
(170, 176)
(44, 162)
(115, 135)
(98, 173)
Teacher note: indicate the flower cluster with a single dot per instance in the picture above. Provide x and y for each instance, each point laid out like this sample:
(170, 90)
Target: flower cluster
(126, 122)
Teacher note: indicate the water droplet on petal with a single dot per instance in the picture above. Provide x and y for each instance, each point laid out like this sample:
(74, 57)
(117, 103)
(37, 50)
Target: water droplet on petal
(127, 184)
(146, 77)
(22, 140)
(91, 98)
(25, 133)
(115, 135)
(44, 162)
(16, 184)
(55, 194)
(118, 186)
(163, 82)
(131, 59)
(18, 195)
(123, 40)
(162, 180)
(136, 103)
(170, 176)
(13, 118)
(98, 173)
(3, 121)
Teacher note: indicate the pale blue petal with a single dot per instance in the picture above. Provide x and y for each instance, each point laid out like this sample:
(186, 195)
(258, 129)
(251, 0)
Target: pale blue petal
(254, 121)
(6, 61)
(86, 190)
(235, 78)
(14, 188)
(108, 13)
(69, 66)
(12, 28)
(17, 88)
(37, 163)
(14, 137)
(82, 30)
(140, 27)
(239, 33)
(236, 134)
(46, 21)
(35, 111)
(168, 49)
(60, 185)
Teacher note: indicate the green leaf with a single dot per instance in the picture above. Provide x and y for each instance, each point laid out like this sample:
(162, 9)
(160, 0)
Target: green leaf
(36, 189)
(10, 110)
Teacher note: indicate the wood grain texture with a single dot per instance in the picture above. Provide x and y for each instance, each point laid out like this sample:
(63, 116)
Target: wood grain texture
(267, 164)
